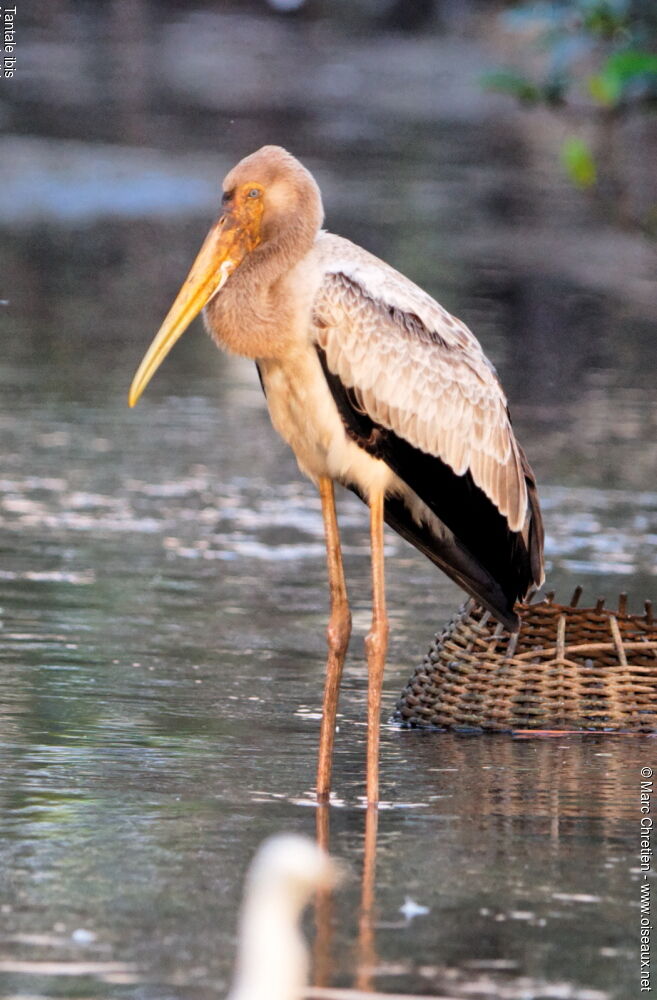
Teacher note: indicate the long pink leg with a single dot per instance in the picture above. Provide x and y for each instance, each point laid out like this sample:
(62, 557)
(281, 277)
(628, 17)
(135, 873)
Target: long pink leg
(338, 633)
(376, 645)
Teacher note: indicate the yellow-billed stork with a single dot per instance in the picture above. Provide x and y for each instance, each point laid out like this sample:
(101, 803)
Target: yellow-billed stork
(374, 385)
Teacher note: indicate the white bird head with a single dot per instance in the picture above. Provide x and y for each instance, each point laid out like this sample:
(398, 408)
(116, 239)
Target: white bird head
(272, 960)
(292, 865)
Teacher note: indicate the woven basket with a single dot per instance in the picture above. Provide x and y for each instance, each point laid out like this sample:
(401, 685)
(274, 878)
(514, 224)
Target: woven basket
(567, 668)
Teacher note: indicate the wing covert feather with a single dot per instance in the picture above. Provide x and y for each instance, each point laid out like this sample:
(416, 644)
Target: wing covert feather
(419, 372)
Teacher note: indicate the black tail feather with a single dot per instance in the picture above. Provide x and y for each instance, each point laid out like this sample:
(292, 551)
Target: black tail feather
(455, 561)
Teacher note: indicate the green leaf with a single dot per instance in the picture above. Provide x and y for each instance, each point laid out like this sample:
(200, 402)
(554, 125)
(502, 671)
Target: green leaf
(621, 71)
(603, 20)
(513, 84)
(578, 161)
(631, 63)
(602, 89)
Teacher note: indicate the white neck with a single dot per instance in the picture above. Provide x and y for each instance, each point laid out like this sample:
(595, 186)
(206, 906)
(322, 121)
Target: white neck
(272, 963)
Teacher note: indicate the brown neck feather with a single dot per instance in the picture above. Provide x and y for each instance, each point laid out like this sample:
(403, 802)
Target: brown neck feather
(251, 314)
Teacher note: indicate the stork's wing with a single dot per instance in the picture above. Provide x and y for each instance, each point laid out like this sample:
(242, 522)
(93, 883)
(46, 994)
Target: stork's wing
(401, 366)
(421, 373)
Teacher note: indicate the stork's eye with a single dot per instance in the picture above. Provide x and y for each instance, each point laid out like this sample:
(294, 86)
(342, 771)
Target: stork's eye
(254, 193)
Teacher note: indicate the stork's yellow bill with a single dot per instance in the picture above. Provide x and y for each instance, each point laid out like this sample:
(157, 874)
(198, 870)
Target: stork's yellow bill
(234, 236)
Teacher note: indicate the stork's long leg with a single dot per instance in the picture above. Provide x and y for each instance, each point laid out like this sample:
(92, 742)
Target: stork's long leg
(338, 633)
(376, 645)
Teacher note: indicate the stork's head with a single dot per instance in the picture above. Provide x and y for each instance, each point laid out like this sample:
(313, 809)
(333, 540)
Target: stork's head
(268, 192)
(269, 199)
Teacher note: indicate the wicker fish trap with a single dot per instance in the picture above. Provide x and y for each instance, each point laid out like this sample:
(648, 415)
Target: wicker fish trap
(567, 668)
